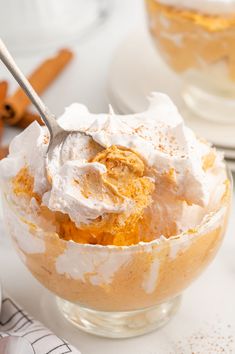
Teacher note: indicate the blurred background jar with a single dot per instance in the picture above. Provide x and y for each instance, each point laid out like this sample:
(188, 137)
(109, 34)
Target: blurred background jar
(197, 40)
(36, 25)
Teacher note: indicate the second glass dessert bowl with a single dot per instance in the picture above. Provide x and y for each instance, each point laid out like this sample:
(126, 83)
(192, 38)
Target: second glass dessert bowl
(196, 39)
(128, 282)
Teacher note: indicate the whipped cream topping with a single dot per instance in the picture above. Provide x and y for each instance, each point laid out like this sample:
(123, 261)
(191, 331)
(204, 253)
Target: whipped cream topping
(158, 135)
(213, 7)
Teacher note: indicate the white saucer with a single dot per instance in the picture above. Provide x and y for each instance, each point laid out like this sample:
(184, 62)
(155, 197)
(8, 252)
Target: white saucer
(137, 70)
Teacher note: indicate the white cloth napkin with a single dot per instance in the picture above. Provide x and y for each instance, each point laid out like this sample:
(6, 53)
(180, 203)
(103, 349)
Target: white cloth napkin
(15, 321)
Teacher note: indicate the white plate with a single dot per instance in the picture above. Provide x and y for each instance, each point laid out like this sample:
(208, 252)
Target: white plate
(137, 70)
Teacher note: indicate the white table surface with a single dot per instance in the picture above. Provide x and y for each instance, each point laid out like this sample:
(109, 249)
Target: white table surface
(205, 323)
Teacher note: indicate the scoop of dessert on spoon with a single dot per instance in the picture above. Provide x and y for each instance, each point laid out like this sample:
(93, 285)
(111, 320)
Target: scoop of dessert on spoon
(57, 134)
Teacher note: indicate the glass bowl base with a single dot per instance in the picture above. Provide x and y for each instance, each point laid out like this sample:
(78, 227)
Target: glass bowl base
(212, 106)
(123, 324)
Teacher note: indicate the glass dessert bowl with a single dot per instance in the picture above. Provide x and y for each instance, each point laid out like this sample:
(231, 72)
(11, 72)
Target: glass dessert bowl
(124, 222)
(196, 39)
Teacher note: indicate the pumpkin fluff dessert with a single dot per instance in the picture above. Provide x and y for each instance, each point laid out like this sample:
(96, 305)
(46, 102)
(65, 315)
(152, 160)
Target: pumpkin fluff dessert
(196, 39)
(118, 222)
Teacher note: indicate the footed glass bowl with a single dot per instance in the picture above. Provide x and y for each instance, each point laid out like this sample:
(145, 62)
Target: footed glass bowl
(117, 291)
(200, 48)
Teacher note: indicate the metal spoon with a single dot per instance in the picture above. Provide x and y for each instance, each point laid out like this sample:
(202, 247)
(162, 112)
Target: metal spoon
(57, 134)
(15, 345)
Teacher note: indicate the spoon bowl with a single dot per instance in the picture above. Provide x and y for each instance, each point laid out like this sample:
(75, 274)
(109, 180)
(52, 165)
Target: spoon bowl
(57, 134)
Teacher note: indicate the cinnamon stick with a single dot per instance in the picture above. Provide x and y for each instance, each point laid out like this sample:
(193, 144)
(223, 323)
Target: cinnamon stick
(3, 95)
(4, 151)
(1, 130)
(27, 119)
(3, 90)
(13, 108)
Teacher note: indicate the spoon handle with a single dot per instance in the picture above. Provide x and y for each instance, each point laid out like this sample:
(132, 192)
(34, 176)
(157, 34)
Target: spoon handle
(44, 112)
